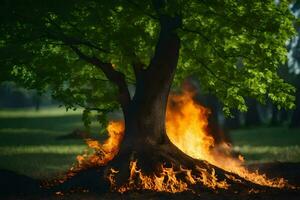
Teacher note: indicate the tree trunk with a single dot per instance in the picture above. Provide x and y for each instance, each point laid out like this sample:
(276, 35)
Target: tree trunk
(284, 116)
(252, 116)
(145, 120)
(295, 121)
(231, 123)
(219, 133)
(274, 120)
(145, 130)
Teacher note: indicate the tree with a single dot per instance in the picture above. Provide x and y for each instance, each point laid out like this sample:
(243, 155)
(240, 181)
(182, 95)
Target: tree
(294, 48)
(88, 52)
(252, 117)
(232, 122)
(295, 121)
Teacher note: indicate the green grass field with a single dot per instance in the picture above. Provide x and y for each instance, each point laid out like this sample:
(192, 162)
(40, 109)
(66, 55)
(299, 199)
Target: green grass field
(29, 146)
(268, 144)
(28, 141)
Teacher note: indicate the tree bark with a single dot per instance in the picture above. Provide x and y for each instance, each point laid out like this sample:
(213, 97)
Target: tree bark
(234, 122)
(295, 121)
(145, 121)
(275, 120)
(252, 117)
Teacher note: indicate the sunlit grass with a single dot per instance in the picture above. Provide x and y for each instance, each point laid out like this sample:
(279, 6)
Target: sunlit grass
(38, 165)
(29, 131)
(43, 149)
(29, 144)
(43, 112)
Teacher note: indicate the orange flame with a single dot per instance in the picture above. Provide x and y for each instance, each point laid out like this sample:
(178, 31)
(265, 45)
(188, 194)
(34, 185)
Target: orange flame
(186, 124)
(167, 180)
(103, 153)
(187, 128)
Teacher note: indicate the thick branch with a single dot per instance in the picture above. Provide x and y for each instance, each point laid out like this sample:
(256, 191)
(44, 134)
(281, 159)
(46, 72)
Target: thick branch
(167, 48)
(114, 76)
(137, 68)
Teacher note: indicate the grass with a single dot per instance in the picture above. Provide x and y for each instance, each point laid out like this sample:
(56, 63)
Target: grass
(268, 144)
(29, 146)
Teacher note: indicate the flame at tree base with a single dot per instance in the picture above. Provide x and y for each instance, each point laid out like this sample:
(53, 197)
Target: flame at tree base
(103, 153)
(167, 180)
(187, 128)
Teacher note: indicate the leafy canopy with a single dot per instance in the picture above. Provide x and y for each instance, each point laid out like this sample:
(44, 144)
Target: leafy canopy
(234, 47)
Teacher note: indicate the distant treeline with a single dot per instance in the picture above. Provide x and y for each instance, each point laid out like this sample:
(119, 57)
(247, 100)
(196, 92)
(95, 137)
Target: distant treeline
(13, 96)
(257, 115)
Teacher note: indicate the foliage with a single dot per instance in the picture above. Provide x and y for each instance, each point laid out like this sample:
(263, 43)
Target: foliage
(234, 47)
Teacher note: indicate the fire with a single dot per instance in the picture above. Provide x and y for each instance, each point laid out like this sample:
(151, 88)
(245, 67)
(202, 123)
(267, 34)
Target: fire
(167, 180)
(187, 128)
(186, 124)
(103, 153)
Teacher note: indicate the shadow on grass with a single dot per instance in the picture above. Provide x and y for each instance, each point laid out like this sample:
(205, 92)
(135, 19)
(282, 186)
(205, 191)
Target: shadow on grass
(30, 137)
(46, 122)
(262, 136)
(287, 170)
(39, 165)
(12, 183)
(41, 130)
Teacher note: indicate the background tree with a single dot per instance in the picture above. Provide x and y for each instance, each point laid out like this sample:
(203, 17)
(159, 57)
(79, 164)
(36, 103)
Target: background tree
(295, 120)
(88, 52)
(294, 69)
(15, 96)
(252, 117)
(232, 122)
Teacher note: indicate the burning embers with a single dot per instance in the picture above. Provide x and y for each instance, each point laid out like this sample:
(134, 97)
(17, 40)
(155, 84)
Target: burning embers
(187, 128)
